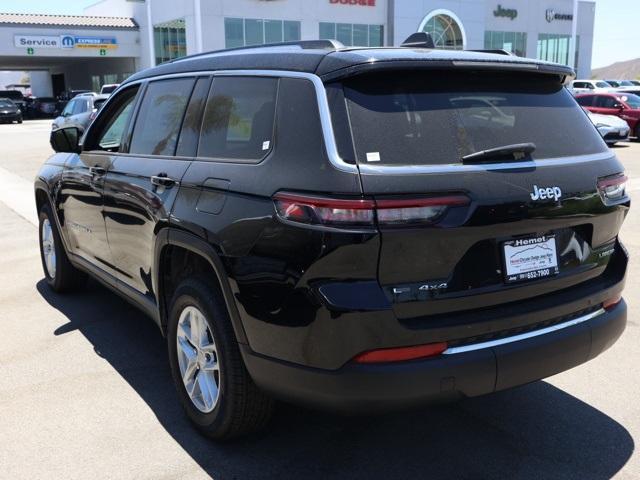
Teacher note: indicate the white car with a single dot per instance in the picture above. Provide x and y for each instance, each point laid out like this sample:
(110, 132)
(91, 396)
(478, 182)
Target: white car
(590, 86)
(612, 129)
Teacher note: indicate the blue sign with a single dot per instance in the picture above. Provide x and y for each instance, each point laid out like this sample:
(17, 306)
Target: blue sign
(96, 42)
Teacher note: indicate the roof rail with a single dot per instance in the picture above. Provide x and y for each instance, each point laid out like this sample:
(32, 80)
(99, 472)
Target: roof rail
(419, 40)
(497, 51)
(303, 44)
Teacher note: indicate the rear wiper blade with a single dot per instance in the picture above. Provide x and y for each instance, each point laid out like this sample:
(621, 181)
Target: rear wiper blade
(515, 152)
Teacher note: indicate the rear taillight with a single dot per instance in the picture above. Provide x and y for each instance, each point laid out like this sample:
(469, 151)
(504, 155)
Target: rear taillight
(325, 211)
(613, 188)
(346, 213)
(401, 354)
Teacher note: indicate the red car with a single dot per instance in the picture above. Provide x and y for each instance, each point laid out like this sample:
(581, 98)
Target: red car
(621, 104)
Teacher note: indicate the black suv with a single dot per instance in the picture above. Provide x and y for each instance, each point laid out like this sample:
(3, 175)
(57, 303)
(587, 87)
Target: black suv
(347, 228)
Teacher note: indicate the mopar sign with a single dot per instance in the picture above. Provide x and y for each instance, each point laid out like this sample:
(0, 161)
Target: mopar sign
(67, 41)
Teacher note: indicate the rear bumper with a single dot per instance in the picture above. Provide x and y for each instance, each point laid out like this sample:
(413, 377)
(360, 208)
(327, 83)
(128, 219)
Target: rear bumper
(369, 388)
(10, 117)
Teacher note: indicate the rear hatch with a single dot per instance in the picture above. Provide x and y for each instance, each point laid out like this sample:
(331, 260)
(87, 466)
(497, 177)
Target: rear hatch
(463, 232)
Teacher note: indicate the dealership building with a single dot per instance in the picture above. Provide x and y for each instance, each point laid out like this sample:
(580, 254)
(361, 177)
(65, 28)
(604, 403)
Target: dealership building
(114, 38)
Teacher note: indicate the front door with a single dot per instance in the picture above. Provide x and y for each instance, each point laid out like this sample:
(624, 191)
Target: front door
(83, 185)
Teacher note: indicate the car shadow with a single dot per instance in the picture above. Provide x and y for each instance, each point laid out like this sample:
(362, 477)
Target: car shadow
(535, 431)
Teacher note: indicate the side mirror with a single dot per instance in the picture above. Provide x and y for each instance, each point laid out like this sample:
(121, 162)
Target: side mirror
(66, 140)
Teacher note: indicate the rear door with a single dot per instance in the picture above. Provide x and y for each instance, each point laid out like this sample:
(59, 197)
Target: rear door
(142, 182)
(465, 234)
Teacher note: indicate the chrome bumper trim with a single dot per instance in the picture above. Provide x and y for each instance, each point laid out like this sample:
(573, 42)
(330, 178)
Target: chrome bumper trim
(523, 336)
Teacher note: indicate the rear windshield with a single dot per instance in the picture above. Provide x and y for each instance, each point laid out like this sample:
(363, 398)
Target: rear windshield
(12, 94)
(416, 118)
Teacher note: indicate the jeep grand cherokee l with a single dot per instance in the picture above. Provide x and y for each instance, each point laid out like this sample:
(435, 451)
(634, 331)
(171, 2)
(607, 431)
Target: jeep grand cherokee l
(352, 229)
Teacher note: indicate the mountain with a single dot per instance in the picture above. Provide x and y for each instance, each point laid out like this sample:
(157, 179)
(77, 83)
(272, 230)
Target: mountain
(627, 70)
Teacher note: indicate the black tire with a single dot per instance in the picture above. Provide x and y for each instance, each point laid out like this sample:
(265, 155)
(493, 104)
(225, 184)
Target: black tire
(66, 277)
(241, 407)
(637, 132)
(20, 120)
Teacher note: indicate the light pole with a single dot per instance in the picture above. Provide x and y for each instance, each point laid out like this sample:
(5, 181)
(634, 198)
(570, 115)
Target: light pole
(152, 50)
(198, 21)
(574, 32)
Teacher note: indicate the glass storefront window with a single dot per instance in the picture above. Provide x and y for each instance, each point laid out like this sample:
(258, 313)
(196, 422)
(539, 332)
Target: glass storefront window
(445, 31)
(170, 40)
(352, 35)
(291, 31)
(240, 32)
(555, 48)
(514, 42)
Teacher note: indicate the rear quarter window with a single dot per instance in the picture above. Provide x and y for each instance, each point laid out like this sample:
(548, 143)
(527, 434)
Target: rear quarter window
(238, 119)
(416, 118)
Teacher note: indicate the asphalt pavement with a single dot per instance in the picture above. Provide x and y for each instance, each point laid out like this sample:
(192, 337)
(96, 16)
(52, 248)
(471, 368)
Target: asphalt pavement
(85, 390)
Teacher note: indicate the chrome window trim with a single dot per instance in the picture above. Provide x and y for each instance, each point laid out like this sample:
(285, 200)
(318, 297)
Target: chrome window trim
(321, 95)
(523, 336)
(367, 169)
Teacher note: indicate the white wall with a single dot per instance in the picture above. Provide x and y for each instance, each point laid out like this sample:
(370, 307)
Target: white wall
(40, 83)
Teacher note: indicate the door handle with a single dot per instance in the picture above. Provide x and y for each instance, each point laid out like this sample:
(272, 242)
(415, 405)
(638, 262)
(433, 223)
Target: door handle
(97, 170)
(162, 180)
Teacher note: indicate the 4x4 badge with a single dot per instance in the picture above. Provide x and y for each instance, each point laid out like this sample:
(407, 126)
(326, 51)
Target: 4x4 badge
(543, 193)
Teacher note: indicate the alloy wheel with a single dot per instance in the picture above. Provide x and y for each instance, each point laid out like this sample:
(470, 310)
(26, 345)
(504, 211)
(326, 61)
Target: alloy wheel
(198, 359)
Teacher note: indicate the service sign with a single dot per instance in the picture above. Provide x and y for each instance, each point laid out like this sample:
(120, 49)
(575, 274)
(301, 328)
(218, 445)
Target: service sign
(36, 41)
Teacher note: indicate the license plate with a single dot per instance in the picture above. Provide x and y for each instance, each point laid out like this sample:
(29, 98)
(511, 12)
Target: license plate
(530, 258)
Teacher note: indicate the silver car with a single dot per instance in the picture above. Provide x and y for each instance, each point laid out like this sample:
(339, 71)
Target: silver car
(79, 112)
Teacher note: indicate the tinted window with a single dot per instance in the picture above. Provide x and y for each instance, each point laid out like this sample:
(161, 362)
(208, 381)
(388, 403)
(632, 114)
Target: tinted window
(586, 101)
(606, 102)
(409, 118)
(68, 109)
(238, 118)
(603, 85)
(81, 105)
(161, 112)
(579, 85)
(6, 104)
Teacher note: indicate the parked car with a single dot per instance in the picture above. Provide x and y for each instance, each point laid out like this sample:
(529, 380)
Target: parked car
(624, 105)
(583, 86)
(67, 95)
(9, 111)
(43, 107)
(624, 85)
(79, 112)
(611, 128)
(339, 228)
(15, 96)
(635, 82)
(109, 88)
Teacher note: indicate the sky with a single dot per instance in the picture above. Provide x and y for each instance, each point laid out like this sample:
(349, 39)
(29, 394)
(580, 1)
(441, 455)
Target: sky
(616, 37)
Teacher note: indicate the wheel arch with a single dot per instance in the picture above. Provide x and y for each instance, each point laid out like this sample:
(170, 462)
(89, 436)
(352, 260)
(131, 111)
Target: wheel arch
(169, 240)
